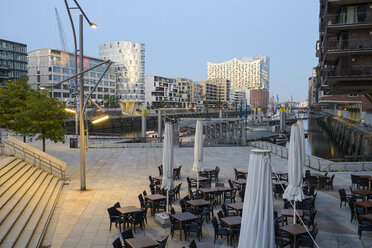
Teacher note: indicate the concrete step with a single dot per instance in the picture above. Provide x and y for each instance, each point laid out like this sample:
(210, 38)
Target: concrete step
(15, 193)
(5, 161)
(50, 229)
(22, 214)
(10, 212)
(46, 219)
(11, 172)
(19, 175)
(9, 166)
(36, 218)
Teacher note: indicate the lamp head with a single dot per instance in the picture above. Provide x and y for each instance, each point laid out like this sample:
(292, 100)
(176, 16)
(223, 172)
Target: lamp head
(100, 119)
(93, 25)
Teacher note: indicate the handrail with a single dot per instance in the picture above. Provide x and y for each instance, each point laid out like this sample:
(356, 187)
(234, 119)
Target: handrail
(47, 162)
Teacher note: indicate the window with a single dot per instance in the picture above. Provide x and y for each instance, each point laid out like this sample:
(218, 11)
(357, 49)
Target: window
(56, 69)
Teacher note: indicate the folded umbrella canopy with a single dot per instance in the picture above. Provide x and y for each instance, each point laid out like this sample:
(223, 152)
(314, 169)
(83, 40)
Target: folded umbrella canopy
(294, 192)
(198, 150)
(168, 160)
(257, 226)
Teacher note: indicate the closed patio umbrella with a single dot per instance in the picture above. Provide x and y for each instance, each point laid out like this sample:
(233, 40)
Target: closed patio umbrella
(168, 160)
(302, 141)
(198, 150)
(257, 225)
(294, 192)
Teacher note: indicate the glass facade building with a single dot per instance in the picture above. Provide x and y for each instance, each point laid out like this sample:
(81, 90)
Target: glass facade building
(13, 60)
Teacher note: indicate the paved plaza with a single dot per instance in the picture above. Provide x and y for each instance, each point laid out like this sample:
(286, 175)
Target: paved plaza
(121, 174)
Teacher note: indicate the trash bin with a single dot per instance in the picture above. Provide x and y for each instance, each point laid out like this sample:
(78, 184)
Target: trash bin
(73, 143)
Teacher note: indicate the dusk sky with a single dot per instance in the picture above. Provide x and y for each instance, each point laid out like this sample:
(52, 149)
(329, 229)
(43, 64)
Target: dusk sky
(181, 36)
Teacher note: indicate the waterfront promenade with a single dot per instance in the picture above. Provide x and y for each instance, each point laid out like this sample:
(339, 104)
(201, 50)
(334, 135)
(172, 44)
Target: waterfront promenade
(121, 174)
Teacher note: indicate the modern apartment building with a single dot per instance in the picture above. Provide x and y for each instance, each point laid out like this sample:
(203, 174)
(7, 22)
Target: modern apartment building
(129, 58)
(223, 89)
(161, 92)
(189, 92)
(345, 58)
(47, 67)
(245, 73)
(208, 92)
(237, 96)
(13, 60)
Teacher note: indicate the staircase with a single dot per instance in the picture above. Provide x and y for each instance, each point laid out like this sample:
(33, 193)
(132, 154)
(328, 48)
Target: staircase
(27, 199)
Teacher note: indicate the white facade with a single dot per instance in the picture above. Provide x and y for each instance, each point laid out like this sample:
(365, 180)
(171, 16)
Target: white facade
(189, 92)
(47, 67)
(237, 96)
(161, 92)
(129, 59)
(243, 73)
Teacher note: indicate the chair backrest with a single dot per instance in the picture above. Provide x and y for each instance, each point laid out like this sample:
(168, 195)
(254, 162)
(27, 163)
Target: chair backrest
(363, 181)
(220, 214)
(342, 194)
(127, 234)
(354, 179)
(173, 211)
(112, 212)
(144, 193)
(183, 206)
(307, 173)
(224, 209)
(351, 189)
(186, 198)
(219, 184)
(150, 179)
(215, 223)
(117, 205)
(117, 243)
(192, 244)
(160, 171)
(230, 183)
(152, 188)
(142, 202)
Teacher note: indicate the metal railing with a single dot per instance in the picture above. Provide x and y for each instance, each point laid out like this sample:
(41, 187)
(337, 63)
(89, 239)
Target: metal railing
(349, 18)
(352, 71)
(36, 157)
(350, 45)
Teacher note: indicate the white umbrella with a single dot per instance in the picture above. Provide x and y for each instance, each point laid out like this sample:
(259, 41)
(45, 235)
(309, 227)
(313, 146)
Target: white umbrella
(198, 150)
(302, 140)
(257, 228)
(168, 160)
(294, 192)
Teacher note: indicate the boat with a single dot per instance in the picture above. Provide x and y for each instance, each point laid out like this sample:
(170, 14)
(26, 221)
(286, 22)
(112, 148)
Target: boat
(151, 134)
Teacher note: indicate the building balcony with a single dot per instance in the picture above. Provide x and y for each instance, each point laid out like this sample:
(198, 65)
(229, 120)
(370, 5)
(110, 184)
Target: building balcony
(336, 48)
(358, 20)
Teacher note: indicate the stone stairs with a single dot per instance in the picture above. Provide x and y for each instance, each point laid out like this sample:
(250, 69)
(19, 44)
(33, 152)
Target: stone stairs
(28, 197)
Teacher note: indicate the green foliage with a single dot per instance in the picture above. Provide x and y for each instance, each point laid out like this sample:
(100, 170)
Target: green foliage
(29, 112)
(13, 101)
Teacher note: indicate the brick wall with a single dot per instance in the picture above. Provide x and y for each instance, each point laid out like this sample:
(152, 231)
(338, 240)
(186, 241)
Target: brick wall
(260, 97)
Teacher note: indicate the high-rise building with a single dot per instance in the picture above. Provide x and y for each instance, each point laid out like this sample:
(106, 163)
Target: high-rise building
(344, 51)
(47, 67)
(223, 89)
(129, 59)
(245, 73)
(208, 92)
(187, 91)
(161, 92)
(13, 60)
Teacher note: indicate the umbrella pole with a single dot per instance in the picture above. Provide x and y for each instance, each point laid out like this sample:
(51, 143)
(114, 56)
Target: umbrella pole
(197, 180)
(167, 201)
(294, 212)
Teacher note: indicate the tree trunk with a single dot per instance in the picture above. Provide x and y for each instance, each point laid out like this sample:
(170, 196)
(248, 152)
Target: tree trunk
(43, 144)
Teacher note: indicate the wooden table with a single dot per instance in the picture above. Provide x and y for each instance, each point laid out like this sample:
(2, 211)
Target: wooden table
(289, 213)
(142, 242)
(128, 210)
(154, 198)
(201, 179)
(198, 203)
(214, 190)
(364, 204)
(366, 216)
(294, 230)
(362, 192)
(238, 207)
(184, 217)
(209, 171)
(232, 221)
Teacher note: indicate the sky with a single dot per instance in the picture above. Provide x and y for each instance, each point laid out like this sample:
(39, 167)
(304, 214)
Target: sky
(181, 36)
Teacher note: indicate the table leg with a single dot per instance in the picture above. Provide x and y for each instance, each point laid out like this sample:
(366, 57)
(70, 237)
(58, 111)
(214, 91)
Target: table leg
(180, 230)
(294, 240)
(152, 208)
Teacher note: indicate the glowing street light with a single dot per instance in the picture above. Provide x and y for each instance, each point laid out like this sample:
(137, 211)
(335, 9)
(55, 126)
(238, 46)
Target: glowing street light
(100, 119)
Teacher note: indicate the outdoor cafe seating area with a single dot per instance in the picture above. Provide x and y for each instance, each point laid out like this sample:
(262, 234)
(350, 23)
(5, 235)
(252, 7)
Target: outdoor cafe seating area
(217, 202)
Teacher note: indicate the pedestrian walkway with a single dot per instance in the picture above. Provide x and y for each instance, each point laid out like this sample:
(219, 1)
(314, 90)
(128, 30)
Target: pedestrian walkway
(121, 174)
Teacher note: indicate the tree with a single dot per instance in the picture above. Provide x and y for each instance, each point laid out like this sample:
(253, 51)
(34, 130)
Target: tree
(46, 116)
(29, 112)
(13, 101)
